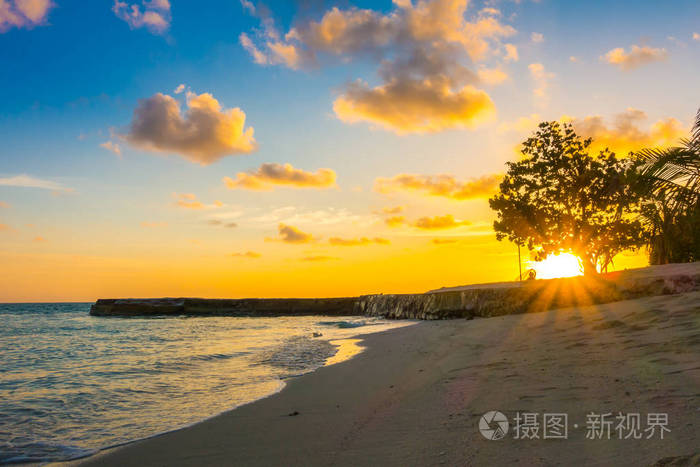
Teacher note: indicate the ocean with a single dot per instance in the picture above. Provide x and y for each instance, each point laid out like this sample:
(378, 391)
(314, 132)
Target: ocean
(71, 384)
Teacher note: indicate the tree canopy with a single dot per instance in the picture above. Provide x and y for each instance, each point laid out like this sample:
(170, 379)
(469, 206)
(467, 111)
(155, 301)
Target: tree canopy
(559, 198)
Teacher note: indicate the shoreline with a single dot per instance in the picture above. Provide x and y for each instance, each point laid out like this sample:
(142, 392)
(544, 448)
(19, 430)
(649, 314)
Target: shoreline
(415, 394)
(347, 349)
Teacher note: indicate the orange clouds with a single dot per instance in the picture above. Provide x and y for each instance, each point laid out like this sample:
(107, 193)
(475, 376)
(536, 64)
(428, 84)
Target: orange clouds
(439, 222)
(422, 50)
(411, 106)
(492, 76)
(636, 57)
(289, 234)
(203, 134)
(267, 176)
(155, 15)
(3, 204)
(337, 241)
(625, 133)
(439, 185)
(23, 13)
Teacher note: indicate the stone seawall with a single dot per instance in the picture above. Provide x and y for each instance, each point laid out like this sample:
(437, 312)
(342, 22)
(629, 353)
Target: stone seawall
(457, 302)
(526, 298)
(225, 307)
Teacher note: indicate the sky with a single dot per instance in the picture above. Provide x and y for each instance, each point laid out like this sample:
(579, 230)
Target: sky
(309, 148)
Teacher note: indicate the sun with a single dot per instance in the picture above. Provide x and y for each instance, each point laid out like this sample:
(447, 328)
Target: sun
(561, 265)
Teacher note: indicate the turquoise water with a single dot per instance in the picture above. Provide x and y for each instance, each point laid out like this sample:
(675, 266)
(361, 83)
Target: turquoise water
(71, 383)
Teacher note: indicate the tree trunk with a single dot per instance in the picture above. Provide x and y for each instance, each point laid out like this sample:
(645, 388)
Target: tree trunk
(589, 268)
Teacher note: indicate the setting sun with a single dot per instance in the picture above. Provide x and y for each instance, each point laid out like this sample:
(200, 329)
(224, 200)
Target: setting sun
(561, 265)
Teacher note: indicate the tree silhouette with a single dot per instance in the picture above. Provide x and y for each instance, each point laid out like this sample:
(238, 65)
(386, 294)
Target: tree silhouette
(670, 184)
(559, 198)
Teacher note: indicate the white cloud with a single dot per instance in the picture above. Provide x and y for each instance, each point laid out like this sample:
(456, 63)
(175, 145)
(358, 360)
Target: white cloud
(154, 15)
(424, 51)
(537, 37)
(28, 181)
(635, 57)
(23, 13)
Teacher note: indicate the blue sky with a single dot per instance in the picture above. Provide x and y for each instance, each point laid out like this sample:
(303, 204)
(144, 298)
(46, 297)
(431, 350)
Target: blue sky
(73, 78)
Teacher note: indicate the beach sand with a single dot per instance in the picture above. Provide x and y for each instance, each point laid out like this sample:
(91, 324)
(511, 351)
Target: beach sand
(416, 394)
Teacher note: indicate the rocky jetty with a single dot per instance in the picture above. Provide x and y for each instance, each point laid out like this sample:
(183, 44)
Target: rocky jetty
(225, 307)
(456, 302)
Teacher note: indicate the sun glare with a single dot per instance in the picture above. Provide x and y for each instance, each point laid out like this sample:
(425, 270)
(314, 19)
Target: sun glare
(561, 265)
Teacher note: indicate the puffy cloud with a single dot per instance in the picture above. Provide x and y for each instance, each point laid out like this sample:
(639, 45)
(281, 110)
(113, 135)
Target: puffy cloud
(511, 53)
(573, 59)
(542, 79)
(269, 175)
(179, 89)
(154, 15)
(637, 56)
(625, 133)
(113, 147)
(395, 221)
(23, 13)
(189, 201)
(28, 181)
(536, 37)
(439, 222)
(422, 51)
(696, 36)
(289, 234)
(337, 241)
(414, 106)
(439, 185)
(247, 254)
(203, 134)
(492, 76)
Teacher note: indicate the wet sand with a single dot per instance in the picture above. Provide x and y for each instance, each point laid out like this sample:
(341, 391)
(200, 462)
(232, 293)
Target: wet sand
(416, 394)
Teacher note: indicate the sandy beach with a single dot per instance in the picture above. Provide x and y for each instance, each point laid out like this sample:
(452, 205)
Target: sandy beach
(416, 394)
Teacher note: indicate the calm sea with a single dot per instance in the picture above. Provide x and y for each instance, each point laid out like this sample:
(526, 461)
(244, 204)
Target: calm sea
(71, 384)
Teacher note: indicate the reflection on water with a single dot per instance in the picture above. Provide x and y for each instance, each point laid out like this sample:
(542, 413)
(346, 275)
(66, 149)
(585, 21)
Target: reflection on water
(71, 383)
